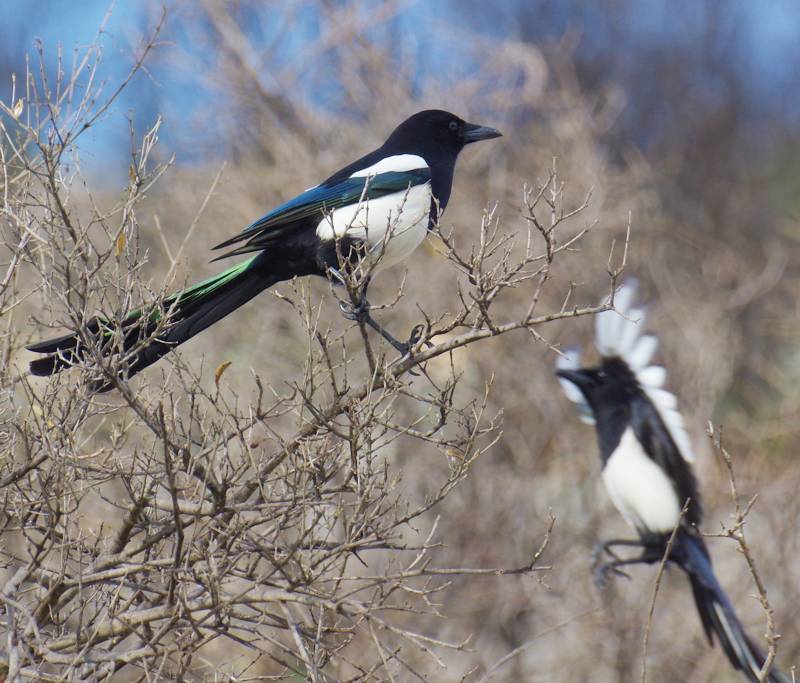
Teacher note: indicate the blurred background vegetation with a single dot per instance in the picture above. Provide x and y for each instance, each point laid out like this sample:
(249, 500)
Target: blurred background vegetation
(680, 116)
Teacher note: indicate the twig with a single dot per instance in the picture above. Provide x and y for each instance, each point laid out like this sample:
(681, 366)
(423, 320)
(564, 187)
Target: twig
(656, 584)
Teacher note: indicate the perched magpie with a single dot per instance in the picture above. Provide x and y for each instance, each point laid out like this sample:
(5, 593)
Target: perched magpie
(647, 471)
(379, 207)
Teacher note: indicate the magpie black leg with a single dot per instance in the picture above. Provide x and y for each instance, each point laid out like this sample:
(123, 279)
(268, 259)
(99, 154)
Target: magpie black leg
(360, 314)
(602, 571)
(605, 547)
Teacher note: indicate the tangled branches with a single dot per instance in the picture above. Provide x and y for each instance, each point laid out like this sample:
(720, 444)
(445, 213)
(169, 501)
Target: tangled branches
(188, 529)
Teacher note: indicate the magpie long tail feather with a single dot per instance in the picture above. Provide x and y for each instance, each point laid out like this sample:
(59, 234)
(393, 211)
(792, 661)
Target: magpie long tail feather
(190, 312)
(716, 612)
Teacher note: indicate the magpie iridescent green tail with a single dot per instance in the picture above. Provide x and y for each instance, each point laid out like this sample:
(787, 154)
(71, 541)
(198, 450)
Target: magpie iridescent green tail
(189, 312)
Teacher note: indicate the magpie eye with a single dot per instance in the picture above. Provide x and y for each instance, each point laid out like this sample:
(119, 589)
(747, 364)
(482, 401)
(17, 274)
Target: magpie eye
(454, 125)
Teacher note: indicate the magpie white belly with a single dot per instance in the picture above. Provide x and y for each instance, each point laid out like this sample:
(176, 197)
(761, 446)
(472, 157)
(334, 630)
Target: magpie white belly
(640, 489)
(404, 215)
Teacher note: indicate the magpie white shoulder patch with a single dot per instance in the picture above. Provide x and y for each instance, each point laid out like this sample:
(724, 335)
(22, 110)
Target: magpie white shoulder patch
(396, 163)
(392, 225)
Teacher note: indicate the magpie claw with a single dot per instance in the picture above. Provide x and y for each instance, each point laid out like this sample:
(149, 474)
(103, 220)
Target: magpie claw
(416, 334)
(358, 313)
(600, 549)
(603, 573)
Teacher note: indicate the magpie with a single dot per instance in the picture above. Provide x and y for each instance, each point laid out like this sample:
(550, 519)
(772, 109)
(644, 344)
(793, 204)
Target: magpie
(647, 467)
(379, 207)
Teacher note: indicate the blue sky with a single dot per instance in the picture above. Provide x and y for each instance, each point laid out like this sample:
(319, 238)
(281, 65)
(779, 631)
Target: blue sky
(766, 50)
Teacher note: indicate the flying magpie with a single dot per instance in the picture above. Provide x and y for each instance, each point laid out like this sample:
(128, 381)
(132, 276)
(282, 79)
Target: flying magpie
(647, 471)
(380, 207)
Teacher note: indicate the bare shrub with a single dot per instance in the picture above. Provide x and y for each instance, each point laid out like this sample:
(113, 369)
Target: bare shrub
(150, 529)
(313, 509)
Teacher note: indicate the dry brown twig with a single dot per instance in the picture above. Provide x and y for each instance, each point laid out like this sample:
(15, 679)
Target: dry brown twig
(656, 585)
(736, 532)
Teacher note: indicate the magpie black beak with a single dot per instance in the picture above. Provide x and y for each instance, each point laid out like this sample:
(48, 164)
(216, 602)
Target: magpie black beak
(474, 133)
(580, 378)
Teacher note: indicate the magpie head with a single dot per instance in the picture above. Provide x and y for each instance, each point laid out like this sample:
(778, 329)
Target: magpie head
(435, 132)
(606, 385)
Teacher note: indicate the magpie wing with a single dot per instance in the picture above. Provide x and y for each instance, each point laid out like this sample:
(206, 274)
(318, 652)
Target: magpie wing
(317, 201)
(659, 445)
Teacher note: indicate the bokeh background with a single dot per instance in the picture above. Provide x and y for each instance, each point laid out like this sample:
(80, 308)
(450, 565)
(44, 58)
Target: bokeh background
(681, 116)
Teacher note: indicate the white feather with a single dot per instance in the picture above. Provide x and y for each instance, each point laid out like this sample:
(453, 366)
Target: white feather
(652, 376)
(404, 215)
(398, 162)
(640, 489)
(642, 352)
(605, 332)
(744, 654)
(662, 398)
(630, 329)
(619, 332)
(616, 330)
(667, 406)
